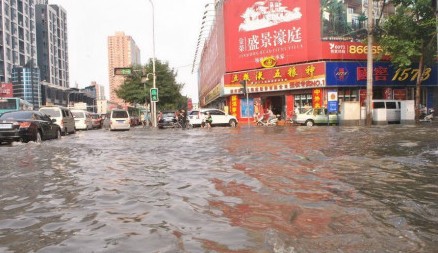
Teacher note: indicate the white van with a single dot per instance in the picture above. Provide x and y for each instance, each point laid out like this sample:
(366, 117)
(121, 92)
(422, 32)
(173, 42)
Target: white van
(63, 118)
(386, 111)
(82, 119)
(119, 119)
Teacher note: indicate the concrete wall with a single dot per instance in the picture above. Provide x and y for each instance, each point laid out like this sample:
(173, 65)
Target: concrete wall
(350, 113)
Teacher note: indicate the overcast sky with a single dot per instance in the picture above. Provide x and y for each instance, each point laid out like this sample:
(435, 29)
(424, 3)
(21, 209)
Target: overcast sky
(90, 22)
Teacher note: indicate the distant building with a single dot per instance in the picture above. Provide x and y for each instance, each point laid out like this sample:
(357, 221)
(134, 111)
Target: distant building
(122, 52)
(52, 44)
(100, 90)
(25, 81)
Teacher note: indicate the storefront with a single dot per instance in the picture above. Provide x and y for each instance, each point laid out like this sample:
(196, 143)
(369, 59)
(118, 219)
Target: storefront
(290, 89)
(288, 63)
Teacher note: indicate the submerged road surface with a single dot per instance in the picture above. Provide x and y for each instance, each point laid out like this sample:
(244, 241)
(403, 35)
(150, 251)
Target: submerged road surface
(236, 190)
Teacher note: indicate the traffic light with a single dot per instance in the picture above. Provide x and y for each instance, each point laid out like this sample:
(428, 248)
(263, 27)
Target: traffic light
(244, 82)
(122, 71)
(154, 94)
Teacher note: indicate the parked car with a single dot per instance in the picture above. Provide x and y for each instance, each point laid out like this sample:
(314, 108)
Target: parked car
(27, 126)
(220, 118)
(63, 116)
(82, 120)
(96, 120)
(315, 116)
(167, 120)
(119, 119)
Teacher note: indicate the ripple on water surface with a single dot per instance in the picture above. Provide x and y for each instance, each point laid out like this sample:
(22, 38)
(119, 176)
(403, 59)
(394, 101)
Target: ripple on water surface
(279, 189)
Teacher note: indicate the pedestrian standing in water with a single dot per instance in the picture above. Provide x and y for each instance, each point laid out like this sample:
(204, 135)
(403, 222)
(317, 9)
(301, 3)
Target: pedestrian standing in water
(208, 120)
(183, 115)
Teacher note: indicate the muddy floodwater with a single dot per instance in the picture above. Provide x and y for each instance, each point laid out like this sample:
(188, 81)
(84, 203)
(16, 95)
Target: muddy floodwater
(234, 190)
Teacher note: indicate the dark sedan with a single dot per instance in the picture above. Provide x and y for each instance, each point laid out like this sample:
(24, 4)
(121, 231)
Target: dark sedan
(167, 120)
(27, 126)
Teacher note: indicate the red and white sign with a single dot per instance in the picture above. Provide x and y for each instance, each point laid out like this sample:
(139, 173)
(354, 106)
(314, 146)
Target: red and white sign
(6, 90)
(288, 31)
(255, 30)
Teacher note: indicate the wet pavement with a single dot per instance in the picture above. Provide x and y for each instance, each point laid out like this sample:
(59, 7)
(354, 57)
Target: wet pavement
(238, 190)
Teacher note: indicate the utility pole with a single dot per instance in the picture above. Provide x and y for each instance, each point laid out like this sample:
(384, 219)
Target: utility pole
(154, 81)
(370, 29)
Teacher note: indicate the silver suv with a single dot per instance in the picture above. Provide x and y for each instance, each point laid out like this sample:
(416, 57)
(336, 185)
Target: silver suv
(220, 118)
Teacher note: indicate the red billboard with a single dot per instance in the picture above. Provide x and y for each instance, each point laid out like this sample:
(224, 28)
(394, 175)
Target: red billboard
(292, 31)
(255, 30)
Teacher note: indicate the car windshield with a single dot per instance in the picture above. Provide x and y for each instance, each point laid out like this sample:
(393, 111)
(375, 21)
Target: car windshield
(51, 112)
(17, 115)
(120, 114)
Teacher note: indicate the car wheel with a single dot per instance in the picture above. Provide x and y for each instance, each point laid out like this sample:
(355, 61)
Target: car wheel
(309, 123)
(233, 123)
(58, 134)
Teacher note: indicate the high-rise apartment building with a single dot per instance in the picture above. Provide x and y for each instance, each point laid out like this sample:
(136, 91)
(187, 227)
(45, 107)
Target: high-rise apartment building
(122, 52)
(52, 44)
(33, 37)
(17, 36)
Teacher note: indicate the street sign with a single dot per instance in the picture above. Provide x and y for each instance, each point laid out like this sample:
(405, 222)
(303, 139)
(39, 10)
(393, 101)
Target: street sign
(122, 71)
(332, 101)
(154, 94)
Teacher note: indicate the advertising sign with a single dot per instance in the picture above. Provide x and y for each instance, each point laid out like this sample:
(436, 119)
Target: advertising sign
(299, 76)
(355, 74)
(332, 97)
(257, 29)
(6, 90)
(292, 31)
(317, 98)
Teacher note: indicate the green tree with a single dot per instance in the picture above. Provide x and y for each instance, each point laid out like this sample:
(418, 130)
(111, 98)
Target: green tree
(169, 91)
(409, 36)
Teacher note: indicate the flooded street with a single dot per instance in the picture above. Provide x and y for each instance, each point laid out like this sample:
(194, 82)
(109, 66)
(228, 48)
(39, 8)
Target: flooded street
(236, 190)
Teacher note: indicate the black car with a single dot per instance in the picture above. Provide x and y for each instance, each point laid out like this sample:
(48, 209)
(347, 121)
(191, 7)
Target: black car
(166, 119)
(27, 126)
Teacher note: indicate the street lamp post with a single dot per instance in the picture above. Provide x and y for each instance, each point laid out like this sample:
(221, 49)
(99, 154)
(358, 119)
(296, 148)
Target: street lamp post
(153, 103)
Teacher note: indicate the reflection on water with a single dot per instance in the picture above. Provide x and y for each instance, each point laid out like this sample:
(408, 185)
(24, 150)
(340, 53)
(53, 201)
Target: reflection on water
(285, 189)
